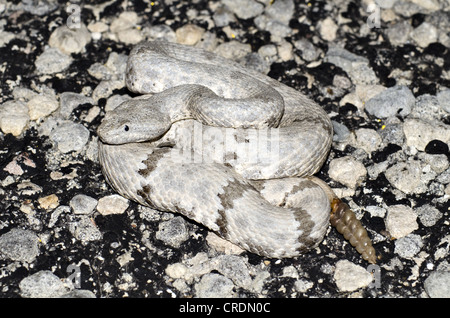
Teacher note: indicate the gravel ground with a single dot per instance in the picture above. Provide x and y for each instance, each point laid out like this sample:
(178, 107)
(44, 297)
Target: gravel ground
(381, 71)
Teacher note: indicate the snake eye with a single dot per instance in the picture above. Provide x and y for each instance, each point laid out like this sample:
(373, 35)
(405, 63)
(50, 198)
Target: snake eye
(126, 128)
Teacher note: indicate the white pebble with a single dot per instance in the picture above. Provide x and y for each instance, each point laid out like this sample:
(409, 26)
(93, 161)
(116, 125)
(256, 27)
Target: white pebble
(401, 221)
(13, 117)
(41, 106)
(112, 204)
(348, 171)
(70, 40)
(350, 277)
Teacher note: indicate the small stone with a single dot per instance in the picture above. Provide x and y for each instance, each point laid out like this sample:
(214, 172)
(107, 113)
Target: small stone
(189, 34)
(173, 232)
(19, 245)
(223, 17)
(233, 50)
(437, 285)
(357, 67)
(308, 51)
(84, 229)
(126, 20)
(98, 27)
(303, 285)
(398, 33)
(419, 133)
(406, 176)
(341, 132)
(328, 29)
(49, 202)
(244, 10)
(130, 36)
(424, 34)
(112, 204)
(159, 31)
(367, 139)
(408, 246)
(350, 277)
(43, 284)
(428, 215)
(235, 268)
(70, 136)
(69, 101)
(68, 40)
(13, 117)
(214, 286)
(105, 88)
(348, 171)
(401, 221)
(397, 100)
(444, 99)
(83, 204)
(52, 61)
(281, 10)
(41, 106)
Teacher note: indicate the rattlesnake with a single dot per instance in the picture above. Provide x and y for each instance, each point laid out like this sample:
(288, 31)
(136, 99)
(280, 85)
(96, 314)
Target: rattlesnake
(226, 146)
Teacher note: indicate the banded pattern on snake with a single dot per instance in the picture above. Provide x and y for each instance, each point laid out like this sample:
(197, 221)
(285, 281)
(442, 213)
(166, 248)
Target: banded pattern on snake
(227, 147)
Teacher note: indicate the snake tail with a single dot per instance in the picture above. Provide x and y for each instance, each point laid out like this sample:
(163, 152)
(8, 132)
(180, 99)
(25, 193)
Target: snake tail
(346, 223)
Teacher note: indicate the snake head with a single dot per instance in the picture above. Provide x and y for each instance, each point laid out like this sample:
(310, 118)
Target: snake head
(134, 120)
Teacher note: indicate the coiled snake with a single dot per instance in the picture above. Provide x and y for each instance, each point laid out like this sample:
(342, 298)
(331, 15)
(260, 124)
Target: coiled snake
(227, 147)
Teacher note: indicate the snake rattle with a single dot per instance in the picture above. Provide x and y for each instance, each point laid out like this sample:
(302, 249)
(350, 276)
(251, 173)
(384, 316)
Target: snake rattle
(227, 147)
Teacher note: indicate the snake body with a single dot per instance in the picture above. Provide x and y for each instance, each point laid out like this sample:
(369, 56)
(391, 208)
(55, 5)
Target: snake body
(223, 145)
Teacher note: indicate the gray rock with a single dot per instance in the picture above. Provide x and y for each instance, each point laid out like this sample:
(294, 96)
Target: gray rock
(69, 101)
(408, 246)
(437, 285)
(427, 107)
(406, 176)
(83, 204)
(392, 132)
(84, 229)
(173, 232)
(281, 10)
(70, 136)
(398, 33)
(234, 267)
(357, 67)
(428, 215)
(223, 17)
(39, 7)
(244, 10)
(214, 286)
(443, 98)
(424, 34)
(341, 132)
(19, 245)
(367, 139)
(51, 61)
(397, 100)
(43, 284)
(308, 51)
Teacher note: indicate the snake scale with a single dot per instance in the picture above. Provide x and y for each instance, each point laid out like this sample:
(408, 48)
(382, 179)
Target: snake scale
(227, 147)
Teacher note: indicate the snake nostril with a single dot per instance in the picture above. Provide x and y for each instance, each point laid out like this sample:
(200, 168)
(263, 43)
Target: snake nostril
(126, 128)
